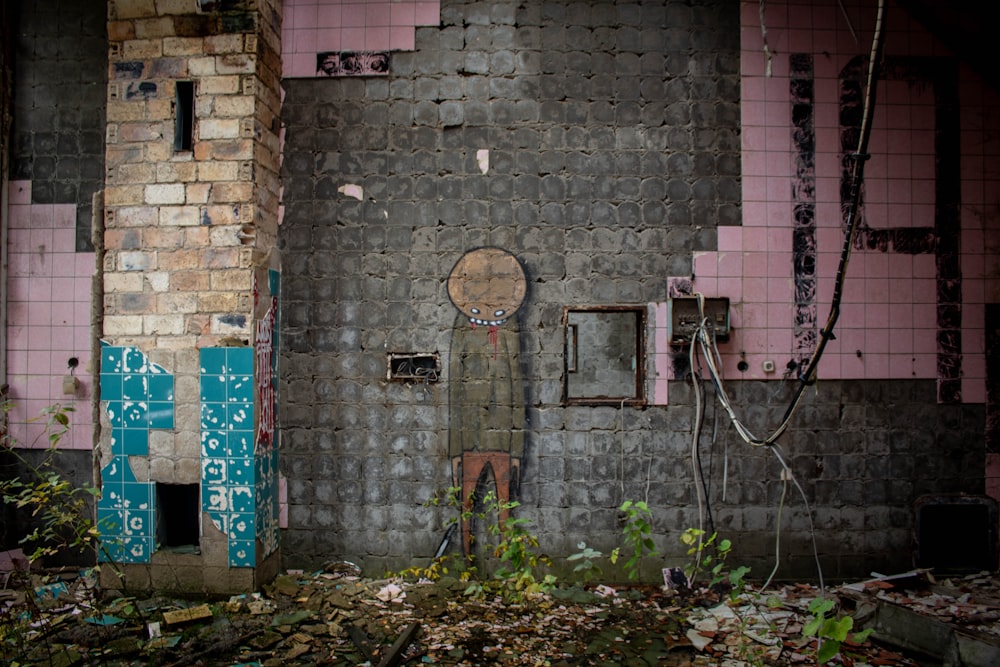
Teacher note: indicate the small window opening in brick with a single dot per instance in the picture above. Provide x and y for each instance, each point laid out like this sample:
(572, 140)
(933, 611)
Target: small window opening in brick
(184, 116)
(605, 355)
(414, 367)
(178, 512)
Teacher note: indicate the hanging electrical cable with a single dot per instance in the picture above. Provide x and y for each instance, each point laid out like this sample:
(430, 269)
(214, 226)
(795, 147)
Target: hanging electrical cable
(808, 376)
(710, 353)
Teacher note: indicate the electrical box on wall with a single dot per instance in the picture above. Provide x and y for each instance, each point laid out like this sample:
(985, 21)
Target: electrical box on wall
(684, 318)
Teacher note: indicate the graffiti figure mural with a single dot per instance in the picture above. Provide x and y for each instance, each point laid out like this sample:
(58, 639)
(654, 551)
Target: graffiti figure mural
(486, 390)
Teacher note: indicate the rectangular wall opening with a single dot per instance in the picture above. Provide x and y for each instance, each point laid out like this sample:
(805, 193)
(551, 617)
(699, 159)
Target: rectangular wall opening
(605, 355)
(184, 116)
(413, 367)
(178, 514)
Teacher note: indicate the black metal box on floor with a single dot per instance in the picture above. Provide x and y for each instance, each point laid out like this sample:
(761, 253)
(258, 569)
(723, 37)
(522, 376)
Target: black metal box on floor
(956, 533)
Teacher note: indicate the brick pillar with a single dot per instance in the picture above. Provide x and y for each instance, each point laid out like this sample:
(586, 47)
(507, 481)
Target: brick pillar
(190, 281)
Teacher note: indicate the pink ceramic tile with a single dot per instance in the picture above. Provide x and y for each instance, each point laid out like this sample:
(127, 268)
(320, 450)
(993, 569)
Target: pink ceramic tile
(39, 362)
(38, 386)
(876, 291)
(780, 290)
(39, 313)
(707, 285)
(901, 317)
(925, 365)
(877, 315)
(730, 264)
(39, 338)
(778, 163)
(41, 237)
(779, 342)
(755, 264)
(876, 341)
(19, 192)
(353, 14)
(80, 314)
(973, 390)
(752, 90)
(84, 264)
(754, 317)
(731, 288)
(852, 315)
(427, 13)
(829, 367)
(303, 15)
(328, 39)
(853, 290)
(403, 14)
(329, 16)
(64, 216)
(660, 316)
(974, 319)
(754, 187)
(924, 291)
(19, 218)
(40, 289)
(730, 238)
(378, 14)
(377, 38)
(755, 290)
(353, 39)
(876, 366)
(925, 341)
(753, 341)
(305, 40)
(17, 358)
(827, 264)
(62, 338)
(402, 38)
(705, 264)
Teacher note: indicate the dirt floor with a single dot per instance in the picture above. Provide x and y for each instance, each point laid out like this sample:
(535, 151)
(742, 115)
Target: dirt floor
(335, 617)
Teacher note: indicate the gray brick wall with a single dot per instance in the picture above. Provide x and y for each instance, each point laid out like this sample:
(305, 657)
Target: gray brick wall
(613, 131)
(60, 89)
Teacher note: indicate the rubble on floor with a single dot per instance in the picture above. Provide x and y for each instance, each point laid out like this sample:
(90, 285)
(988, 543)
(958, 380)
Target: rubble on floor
(336, 617)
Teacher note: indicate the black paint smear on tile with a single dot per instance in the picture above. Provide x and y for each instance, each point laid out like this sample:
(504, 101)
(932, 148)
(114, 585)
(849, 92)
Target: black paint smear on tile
(802, 95)
(944, 238)
(993, 378)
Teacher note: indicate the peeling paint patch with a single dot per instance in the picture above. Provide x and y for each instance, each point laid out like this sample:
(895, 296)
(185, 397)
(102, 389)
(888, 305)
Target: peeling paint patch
(483, 159)
(355, 191)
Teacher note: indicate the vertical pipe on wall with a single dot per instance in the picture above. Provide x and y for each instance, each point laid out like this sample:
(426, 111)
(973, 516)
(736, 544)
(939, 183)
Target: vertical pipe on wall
(6, 82)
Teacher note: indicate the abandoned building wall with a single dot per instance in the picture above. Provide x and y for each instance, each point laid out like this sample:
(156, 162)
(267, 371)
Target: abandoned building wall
(618, 153)
(56, 151)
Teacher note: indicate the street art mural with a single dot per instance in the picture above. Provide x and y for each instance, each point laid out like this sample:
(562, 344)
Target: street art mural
(486, 389)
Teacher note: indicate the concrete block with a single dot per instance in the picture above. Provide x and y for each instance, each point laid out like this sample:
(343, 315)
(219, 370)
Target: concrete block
(164, 193)
(142, 49)
(214, 128)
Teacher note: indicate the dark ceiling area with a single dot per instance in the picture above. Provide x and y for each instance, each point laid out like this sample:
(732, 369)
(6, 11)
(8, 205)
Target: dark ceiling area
(965, 28)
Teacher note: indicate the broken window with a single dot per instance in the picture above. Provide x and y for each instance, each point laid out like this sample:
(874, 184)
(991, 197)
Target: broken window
(178, 515)
(605, 355)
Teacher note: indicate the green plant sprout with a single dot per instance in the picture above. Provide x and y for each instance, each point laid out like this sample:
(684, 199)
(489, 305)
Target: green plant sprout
(637, 529)
(831, 630)
(586, 562)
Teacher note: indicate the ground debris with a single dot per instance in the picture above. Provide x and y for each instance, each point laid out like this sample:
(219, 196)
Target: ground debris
(336, 617)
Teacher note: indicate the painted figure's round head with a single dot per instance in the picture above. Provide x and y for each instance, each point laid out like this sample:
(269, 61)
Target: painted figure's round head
(487, 285)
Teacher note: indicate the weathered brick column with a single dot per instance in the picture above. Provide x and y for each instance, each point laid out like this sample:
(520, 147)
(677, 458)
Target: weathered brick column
(190, 279)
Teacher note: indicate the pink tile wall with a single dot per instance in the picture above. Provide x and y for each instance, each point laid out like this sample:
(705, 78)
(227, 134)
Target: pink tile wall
(315, 26)
(48, 318)
(887, 327)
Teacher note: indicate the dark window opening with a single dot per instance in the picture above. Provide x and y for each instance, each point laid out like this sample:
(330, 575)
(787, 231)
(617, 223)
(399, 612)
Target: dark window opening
(410, 367)
(184, 116)
(605, 355)
(178, 512)
(957, 533)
